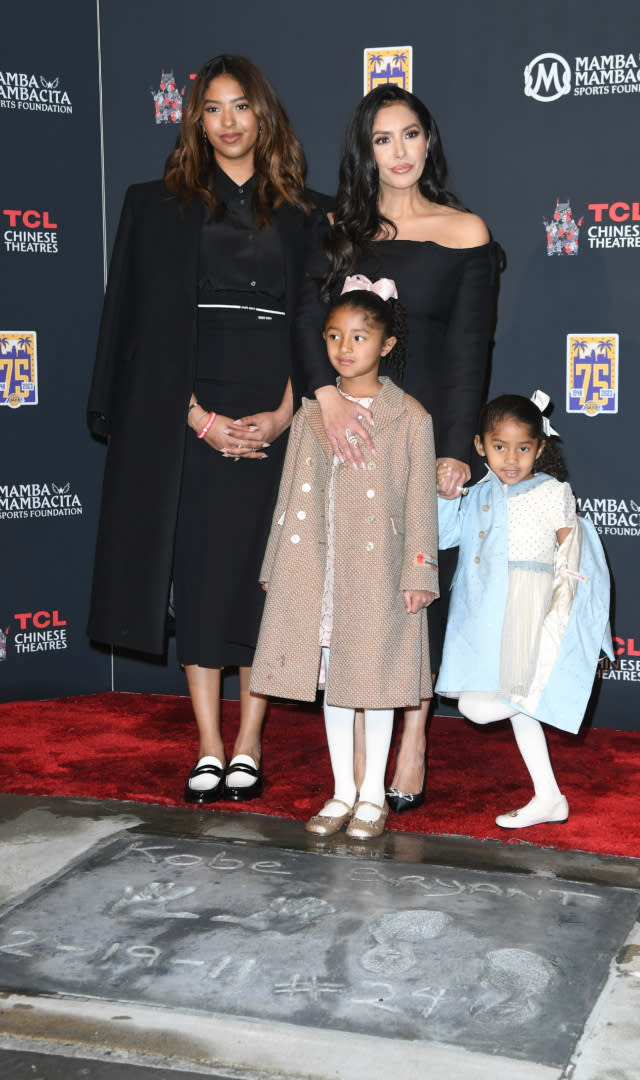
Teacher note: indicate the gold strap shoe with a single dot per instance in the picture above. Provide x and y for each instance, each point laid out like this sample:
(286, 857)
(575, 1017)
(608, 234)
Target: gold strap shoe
(367, 823)
(324, 825)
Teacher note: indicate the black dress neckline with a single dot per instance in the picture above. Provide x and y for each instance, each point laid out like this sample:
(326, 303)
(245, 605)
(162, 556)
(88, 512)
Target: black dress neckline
(434, 244)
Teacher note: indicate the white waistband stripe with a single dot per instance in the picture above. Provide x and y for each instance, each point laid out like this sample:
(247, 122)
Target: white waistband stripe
(243, 307)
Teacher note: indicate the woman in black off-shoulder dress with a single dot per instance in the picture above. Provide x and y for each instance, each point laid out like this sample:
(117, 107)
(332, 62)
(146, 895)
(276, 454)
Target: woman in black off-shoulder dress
(394, 218)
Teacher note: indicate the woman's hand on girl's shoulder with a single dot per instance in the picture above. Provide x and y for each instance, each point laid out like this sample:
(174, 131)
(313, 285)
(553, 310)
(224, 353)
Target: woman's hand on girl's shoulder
(342, 422)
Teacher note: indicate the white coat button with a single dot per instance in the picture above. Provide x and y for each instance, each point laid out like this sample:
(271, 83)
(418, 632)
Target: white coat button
(309, 460)
(486, 506)
(476, 560)
(369, 545)
(306, 487)
(482, 534)
(253, 284)
(301, 515)
(371, 520)
(371, 493)
(295, 539)
(371, 465)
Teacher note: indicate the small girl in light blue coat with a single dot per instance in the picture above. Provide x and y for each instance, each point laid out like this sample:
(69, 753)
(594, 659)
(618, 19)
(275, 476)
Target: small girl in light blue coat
(529, 611)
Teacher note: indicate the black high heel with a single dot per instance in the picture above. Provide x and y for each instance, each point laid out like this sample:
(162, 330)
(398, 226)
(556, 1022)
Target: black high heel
(403, 801)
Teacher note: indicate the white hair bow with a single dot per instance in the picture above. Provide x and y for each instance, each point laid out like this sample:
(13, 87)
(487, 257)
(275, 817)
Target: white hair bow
(541, 400)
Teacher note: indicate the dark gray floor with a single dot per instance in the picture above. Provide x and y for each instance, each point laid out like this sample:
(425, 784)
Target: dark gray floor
(477, 958)
(25, 1065)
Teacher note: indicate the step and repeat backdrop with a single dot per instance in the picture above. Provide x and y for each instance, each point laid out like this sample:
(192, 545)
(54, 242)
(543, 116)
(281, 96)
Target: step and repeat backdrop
(538, 109)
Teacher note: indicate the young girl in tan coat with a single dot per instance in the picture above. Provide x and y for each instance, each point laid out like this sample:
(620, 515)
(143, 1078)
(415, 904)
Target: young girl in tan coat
(351, 562)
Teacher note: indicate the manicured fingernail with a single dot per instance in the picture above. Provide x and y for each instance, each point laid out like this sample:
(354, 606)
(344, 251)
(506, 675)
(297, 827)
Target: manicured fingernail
(266, 444)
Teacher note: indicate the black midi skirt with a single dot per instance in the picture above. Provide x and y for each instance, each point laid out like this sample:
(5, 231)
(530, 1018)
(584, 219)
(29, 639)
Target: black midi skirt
(226, 506)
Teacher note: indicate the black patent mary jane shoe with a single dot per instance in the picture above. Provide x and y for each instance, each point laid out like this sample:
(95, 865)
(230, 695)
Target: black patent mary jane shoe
(245, 765)
(208, 776)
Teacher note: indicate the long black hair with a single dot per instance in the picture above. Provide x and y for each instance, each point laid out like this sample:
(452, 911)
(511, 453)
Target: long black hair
(523, 410)
(388, 315)
(357, 219)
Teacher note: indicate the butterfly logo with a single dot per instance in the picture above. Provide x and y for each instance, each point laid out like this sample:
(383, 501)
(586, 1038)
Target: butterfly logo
(64, 490)
(49, 85)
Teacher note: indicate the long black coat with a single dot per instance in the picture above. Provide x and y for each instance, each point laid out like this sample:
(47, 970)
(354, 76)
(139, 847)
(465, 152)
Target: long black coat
(142, 382)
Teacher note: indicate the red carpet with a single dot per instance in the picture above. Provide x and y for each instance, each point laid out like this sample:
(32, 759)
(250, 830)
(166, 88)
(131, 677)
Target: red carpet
(141, 747)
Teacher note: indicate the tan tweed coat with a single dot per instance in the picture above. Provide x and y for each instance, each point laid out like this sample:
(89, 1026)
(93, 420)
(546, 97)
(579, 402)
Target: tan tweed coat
(386, 541)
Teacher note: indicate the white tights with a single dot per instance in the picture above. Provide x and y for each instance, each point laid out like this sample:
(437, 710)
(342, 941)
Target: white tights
(378, 726)
(485, 708)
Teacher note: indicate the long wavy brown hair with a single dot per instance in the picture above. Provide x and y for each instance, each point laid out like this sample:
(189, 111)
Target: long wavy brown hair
(279, 160)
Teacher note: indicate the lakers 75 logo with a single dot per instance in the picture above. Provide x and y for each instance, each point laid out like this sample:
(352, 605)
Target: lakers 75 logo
(18, 368)
(592, 373)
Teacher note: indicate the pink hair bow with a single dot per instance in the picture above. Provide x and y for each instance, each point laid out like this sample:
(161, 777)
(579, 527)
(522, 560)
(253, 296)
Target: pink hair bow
(384, 287)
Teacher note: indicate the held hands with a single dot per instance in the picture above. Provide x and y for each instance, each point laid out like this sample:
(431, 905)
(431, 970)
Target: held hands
(416, 599)
(249, 436)
(451, 476)
(217, 437)
(341, 419)
(246, 437)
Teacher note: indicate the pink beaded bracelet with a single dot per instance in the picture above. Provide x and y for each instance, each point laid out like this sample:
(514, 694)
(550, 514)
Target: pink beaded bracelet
(201, 434)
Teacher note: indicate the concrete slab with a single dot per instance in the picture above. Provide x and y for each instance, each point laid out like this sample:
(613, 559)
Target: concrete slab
(461, 957)
(220, 1044)
(554, 936)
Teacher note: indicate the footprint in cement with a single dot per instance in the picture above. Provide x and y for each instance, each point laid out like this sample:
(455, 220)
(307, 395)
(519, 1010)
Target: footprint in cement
(511, 985)
(397, 933)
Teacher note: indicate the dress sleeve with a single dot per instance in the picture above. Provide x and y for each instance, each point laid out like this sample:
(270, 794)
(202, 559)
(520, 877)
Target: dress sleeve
(466, 353)
(308, 342)
(564, 510)
(118, 302)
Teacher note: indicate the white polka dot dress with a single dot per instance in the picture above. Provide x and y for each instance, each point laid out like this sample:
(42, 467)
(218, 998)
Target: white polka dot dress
(534, 518)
